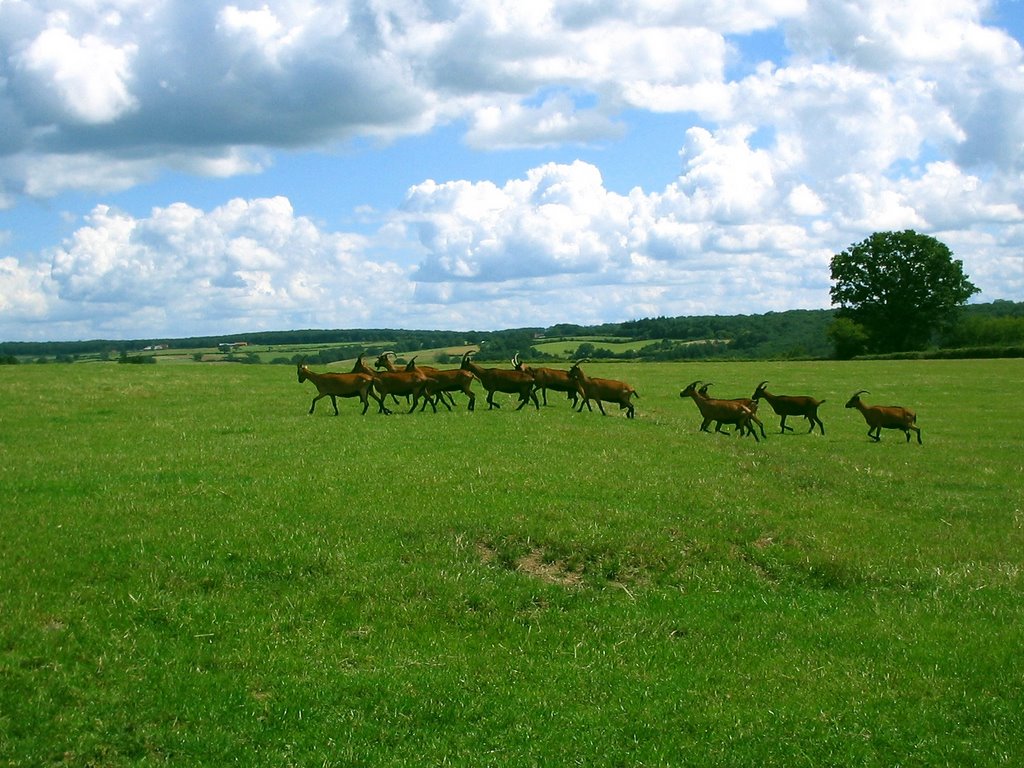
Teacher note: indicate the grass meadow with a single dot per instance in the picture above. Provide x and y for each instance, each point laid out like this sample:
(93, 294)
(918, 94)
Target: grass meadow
(193, 571)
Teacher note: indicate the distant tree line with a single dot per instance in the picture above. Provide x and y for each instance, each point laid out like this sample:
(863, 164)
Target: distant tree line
(806, 334)
(408, 340)
(1001, 322)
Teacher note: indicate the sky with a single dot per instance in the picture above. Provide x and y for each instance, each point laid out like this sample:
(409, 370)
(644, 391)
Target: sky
(175, 168)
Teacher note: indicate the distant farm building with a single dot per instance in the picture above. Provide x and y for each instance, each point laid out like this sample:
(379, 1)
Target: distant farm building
(227, 346)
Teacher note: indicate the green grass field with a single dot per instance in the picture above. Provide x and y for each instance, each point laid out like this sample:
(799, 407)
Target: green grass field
(193, 571)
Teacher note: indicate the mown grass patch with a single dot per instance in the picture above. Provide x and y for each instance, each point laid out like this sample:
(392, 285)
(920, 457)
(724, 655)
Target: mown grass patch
(568, 346)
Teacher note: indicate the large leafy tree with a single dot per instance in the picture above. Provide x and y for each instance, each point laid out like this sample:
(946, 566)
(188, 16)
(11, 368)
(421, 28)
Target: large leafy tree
(900, 287)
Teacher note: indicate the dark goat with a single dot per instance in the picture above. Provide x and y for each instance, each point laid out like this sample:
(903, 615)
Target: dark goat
(395, 383)
(791, 405)
(549, 378)
(502, 380)
(386, 361)
(881, 417)
(443, 382)
(747, 402)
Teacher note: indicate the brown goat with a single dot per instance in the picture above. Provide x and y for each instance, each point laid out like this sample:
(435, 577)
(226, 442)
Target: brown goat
(881, 417)
(502, 380)
(791, 405)
(746, 402)
(335, 385)
(385, 360)
(442, 382)
(395, 383)
(721, 411)
(549, 378)
(608, 390)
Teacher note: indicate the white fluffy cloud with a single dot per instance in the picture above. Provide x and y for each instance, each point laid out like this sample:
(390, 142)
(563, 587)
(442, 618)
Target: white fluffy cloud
(802, 127)
(23, 291)
(562, 238)
(248, 263)
(78, 79)
(167, 75)
(170, 76)
(559, 220)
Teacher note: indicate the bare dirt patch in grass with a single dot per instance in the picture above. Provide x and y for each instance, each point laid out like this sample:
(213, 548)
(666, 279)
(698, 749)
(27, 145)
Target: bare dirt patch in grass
(553, 572)
(534, 564)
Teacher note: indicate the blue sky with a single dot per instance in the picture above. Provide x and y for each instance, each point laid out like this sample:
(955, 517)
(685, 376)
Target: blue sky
(173, 168)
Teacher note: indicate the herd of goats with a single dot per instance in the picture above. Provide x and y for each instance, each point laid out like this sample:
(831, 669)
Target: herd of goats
(385, 380)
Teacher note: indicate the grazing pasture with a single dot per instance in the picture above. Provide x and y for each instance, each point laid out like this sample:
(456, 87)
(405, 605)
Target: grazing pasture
(195, 571)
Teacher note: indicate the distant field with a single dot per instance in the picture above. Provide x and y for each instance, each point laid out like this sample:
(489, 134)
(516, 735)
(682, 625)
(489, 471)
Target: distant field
(275, 352)
(267, 353)
(567, 347)
(193, 571)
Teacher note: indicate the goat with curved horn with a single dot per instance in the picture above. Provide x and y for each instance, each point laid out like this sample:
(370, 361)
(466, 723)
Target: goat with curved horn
(501, 380)
(550, 378)
(608, 390)
(721, 411)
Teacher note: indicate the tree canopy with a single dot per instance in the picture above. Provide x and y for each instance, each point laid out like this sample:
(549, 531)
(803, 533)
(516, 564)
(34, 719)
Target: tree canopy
(900, 287)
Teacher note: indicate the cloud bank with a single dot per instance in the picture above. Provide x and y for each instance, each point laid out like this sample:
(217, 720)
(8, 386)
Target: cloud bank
(803, 127)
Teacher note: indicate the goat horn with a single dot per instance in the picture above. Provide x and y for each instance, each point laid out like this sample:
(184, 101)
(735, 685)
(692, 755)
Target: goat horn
(860, 392)
(761, 384)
